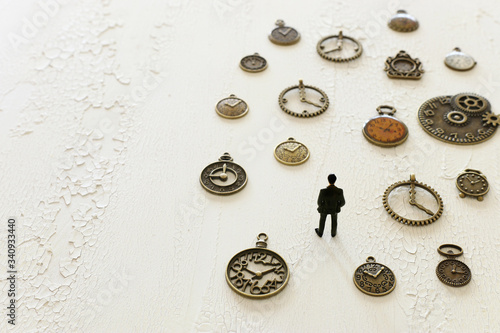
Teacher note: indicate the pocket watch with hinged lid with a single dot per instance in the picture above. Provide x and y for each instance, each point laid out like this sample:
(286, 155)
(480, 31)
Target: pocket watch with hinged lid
(291, 152)
(473, 183)
(374, 279)
(385, 130)
(223, 177)
(451, 271)
(257, 272)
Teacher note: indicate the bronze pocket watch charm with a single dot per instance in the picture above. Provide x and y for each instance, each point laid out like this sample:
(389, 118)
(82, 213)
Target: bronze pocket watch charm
(231, 107)
(313, 100)
(459, 60)
(473, 183)
(403, 22)
(223, 177)
(283, 35)
(462, 119)
(339, 48)
(291, 152)
(452, 271)
(257, 272)
(253, 63)
(413, 183)
(385, 130)
(374, 279)
(403, 66)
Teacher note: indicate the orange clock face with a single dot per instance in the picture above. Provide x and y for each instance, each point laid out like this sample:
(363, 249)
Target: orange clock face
(385, 131)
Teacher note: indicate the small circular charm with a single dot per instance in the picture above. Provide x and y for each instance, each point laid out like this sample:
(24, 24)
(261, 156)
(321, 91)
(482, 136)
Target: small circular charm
(413, 183)
(291, 152)
(462, 119)
(459, 60)
(253, 63)
(374, 279)
(223, 177)
(283, 35)
(403, 66)
(451, 271)
(385, 130)
(472, 183)
(231, 107)
(403, 22)
(339, 48)
(312, 100)
(257, 272)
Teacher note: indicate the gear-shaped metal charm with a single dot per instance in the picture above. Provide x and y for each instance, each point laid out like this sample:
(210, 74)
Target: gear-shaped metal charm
(344, 48)
(470, 103)
(456, 118)
(413, 183)
(316, 105)
(491, 119)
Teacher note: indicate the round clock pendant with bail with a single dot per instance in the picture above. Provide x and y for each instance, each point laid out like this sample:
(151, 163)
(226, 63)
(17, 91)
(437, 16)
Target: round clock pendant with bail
(385, 130)
(451, 271)
(257, 272)
(253, 63)
(374, 279)
(223, 177)
(291, 152)
(283, 35)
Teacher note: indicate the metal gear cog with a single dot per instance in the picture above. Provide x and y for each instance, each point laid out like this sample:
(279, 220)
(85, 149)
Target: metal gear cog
(470, 103)
(492, 119)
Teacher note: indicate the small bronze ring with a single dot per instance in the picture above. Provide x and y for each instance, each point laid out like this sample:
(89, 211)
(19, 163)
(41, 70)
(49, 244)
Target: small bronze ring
(453, 246)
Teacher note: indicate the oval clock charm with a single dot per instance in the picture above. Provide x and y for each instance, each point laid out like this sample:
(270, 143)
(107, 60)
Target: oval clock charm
(291, 152)
(223, 177)
(385, 130)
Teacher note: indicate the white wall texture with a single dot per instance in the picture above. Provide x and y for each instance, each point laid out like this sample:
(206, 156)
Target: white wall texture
(107, 119)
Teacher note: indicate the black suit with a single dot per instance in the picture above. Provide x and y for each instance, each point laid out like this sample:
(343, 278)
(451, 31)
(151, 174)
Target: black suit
(329, 202)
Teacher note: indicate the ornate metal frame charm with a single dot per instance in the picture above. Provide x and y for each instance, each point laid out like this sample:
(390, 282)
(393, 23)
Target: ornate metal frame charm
(466, 184)
(355, 45)
(253, 63)
(374, 279)
(291, 152)
(246, 270)
(413, 183)
(451, 271)
(223, 177)
(283, 35)
(403, 66)
(403, 22)
(231, 107)
(321, 105)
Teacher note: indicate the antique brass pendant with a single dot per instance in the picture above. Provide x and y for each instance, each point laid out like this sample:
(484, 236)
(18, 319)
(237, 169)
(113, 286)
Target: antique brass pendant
(403, 22)
(223, 177)
(463, 119)
(283, 35)
(374, 279)
(385, 130)
(459, 60)
(316, 100)
(339, 48)
(253, 63)
(403, 66)
(257, 272)
(291, 152)
(473, 183)
(231, 107)
(452, 271)
(413, 183)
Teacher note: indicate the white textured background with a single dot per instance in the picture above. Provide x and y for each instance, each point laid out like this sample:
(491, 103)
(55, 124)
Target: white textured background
(107, 119)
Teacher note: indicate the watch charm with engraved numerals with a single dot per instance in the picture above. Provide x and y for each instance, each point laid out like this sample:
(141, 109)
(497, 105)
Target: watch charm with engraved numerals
(253, 63)
(283, 35)
(374, 279)
(451, 271)
(257, 272)
(223, 177)
(472, 183)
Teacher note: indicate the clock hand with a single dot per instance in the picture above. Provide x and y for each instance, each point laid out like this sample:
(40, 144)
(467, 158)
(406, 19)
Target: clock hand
(294, 149)
(286, 31)
(340, 43)
(233, 105)
(378, 273)
(250, 271)
(268, 271)
(224, 168)
(368, 273)
(309, 102)
(413, 201)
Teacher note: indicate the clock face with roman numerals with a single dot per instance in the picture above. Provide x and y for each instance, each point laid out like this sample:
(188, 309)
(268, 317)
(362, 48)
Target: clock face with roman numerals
(257, 273)
(462, 119)
(223, 177)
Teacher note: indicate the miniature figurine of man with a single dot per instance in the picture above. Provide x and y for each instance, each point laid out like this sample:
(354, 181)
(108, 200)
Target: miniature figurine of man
(329, 202)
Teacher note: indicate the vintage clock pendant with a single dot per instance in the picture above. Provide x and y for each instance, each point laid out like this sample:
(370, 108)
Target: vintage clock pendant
(283, 35)
(463, 119)
(291, 152)
(253, 63)
(339, 48)
(257, 272)
(223, 177)
(403, 66)
(312, 100)
(374, 279)
(231, 107)
(452, 271)
(459, 60)
(385, 130)
(403, 22)
(473, 183)
(413, 183)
